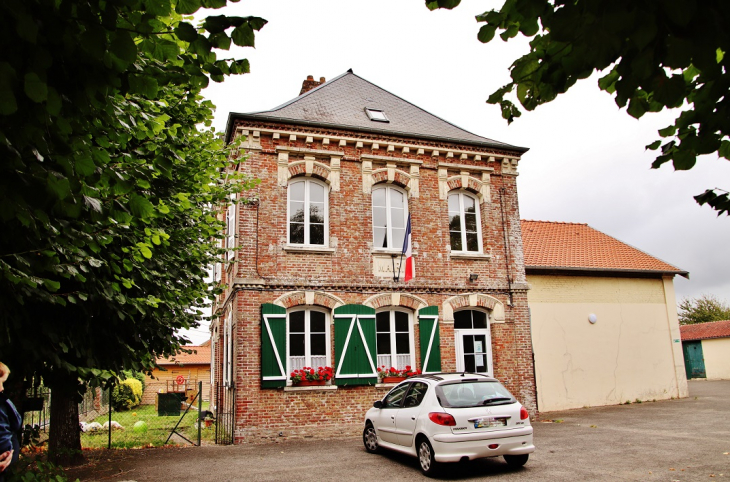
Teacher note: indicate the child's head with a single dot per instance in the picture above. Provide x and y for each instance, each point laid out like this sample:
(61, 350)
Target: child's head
(4, 372)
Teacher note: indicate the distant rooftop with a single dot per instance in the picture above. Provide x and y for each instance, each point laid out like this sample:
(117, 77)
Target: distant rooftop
(704, 331)
(351, 102)
(202, 357)
(571, 246)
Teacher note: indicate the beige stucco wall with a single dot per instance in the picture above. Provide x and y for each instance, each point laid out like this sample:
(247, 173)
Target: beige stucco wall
(716, 353)
(632, 352)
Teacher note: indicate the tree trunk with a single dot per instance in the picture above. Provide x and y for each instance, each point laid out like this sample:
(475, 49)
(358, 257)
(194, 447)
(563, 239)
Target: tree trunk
(64, 439)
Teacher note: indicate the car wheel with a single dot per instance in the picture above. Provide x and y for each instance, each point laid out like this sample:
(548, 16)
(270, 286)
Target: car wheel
(370, 439)
(516, 460)
(429, 466)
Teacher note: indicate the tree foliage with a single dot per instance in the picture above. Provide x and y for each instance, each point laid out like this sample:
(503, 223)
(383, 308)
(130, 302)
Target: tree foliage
(654, 54)
(703, 309)
(108, 185)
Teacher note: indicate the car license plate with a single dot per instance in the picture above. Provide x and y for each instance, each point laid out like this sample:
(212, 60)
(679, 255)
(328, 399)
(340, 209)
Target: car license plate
(490, 422)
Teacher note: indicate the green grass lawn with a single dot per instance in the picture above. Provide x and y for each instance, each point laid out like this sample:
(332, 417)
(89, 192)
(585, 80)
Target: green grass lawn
(158, 429)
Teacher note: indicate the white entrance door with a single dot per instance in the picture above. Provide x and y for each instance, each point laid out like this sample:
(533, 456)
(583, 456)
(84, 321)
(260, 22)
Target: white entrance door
(473, 351)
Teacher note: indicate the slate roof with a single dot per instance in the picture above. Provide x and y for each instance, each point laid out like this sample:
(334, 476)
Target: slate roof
(704, 331)
(202, 357)
(341, 103)
(573, 246)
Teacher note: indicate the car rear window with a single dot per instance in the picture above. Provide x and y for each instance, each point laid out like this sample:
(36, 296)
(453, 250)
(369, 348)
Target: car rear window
(473, 393)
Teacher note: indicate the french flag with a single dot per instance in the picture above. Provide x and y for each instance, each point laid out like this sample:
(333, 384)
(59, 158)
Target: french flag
(410, 266)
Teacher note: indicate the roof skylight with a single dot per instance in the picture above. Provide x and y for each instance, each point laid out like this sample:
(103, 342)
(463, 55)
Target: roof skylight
(376, 115)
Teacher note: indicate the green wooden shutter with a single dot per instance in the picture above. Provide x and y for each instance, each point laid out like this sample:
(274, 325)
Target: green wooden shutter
(355, 358)
(428, 322)
(273, 346)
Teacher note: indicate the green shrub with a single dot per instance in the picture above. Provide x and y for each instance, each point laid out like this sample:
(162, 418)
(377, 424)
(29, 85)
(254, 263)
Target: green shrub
(138, 375)
(127, 394)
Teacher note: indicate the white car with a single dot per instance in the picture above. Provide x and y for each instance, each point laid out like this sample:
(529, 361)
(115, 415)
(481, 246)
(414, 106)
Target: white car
(450, 417)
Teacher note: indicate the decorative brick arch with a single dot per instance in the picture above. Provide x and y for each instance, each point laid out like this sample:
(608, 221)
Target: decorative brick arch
(396, 299)
(392, 176)
(467, 183)
(310, 169)
(474, 300)
(297, 298)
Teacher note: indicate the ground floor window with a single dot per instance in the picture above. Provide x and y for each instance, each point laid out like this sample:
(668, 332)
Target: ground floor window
(308, 336)
(394, 339)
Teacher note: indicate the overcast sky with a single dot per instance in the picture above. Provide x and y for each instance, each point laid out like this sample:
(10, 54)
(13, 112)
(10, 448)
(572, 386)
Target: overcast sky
(586, 163)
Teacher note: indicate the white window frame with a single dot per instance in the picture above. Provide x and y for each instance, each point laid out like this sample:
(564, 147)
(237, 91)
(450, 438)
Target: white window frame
(228, 351)
(462, 217)
(389, 213)
(230, 241)
(307, 332)
(213, 361)
(307, 183)
(411, 344)
(459, 345)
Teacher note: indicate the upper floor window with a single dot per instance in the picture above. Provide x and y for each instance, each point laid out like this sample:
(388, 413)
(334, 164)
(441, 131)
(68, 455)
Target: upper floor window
(308, 213)
(465, 230)
(230, 240)
(390, 215)
(394, 339)
(308, 335)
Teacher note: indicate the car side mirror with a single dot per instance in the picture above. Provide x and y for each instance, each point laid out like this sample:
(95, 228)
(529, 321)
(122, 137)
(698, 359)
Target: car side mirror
(378, 404)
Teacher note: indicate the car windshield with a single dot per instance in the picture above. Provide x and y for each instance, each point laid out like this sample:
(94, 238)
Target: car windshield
(473, 393)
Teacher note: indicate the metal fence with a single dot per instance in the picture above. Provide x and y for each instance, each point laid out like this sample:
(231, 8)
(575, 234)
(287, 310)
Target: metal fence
(225, 413)
(169, 414)
(178, 416)
(37, 407)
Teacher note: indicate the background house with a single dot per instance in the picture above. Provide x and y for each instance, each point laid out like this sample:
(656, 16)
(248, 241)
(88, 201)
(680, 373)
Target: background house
(193, 367)
(604, 319)
(317, 280)
(706, 348)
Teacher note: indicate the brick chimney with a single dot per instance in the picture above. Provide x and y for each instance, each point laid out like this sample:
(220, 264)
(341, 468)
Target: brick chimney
(310, 84)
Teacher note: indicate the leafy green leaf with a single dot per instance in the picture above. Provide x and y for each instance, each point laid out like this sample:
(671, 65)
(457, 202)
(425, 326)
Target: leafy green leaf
(243, 36)
(186, 32)
(35, 88)
(141, 206)
(486, 33)
(84, 165)
(143, 84)
(449, 4)
(123, 47)
(187, 7)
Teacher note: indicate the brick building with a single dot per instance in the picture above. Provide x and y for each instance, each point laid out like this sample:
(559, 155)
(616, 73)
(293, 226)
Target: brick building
(316, 277)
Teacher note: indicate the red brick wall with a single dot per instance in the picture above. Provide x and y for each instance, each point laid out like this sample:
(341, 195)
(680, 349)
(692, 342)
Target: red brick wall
(265, 272)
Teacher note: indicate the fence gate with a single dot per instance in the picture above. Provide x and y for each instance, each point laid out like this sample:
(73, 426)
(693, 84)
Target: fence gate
(225, 414)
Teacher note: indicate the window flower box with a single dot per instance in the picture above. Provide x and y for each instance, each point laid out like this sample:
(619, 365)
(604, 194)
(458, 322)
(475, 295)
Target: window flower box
(307, 376)
(392, 379)
(312, 383)
(393, 375)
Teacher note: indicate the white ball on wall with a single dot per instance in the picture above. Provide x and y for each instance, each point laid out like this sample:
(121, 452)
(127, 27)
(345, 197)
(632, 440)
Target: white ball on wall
(592, 318)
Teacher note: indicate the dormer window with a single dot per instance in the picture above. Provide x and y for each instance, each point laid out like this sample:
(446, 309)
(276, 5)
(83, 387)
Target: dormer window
(376, 115)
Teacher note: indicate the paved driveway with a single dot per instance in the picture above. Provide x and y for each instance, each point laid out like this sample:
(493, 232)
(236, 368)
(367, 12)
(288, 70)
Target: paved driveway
(672, 440)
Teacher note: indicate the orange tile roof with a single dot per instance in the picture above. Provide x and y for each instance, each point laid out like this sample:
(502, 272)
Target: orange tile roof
(574, 246)
(202, 357)
(703, 331)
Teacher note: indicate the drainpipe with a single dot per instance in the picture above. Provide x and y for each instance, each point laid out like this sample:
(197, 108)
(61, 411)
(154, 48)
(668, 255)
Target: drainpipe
(506, 247)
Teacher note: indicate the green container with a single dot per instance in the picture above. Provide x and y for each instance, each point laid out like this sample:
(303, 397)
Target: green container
(168, 404)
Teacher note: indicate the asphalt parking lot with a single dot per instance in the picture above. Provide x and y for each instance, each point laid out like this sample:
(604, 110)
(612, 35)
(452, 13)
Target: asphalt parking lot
(672, 440)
